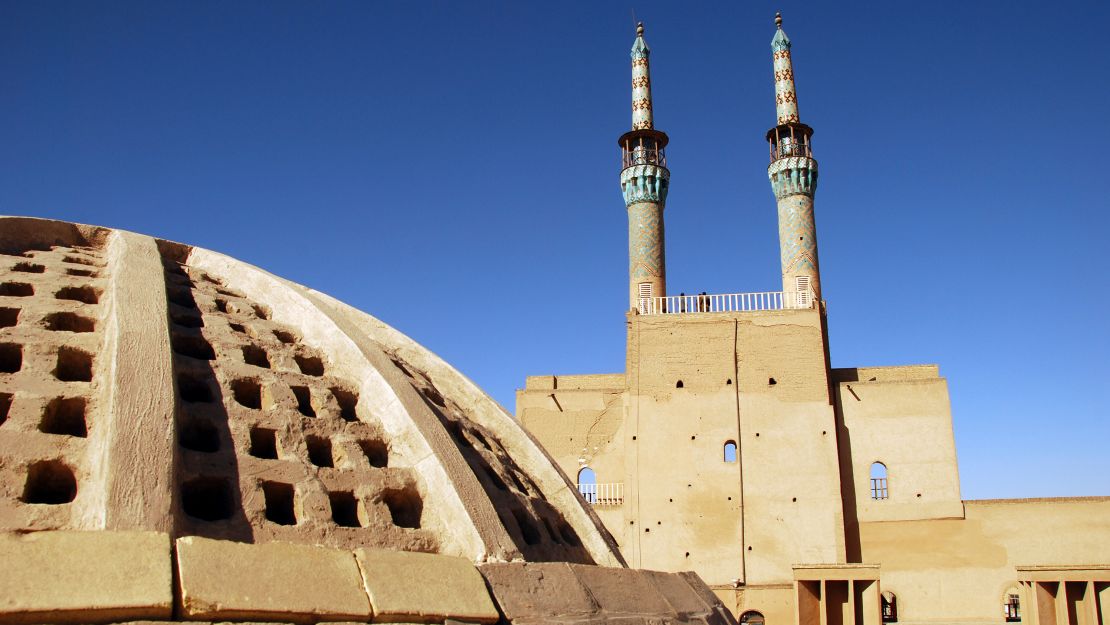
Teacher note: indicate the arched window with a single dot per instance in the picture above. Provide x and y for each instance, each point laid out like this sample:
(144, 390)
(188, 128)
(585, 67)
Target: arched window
(1011, 605)
(587, 484)
(730, 451)
(879, 487)
(890, 607)
(751, 617)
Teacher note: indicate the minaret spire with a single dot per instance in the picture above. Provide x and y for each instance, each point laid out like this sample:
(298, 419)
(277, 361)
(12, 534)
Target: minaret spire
(793, 174)
(644, 183)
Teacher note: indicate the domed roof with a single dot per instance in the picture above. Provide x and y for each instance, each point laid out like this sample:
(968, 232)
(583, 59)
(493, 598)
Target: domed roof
(150, 385)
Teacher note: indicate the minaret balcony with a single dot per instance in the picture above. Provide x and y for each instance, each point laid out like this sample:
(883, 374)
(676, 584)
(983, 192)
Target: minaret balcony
(728, 302)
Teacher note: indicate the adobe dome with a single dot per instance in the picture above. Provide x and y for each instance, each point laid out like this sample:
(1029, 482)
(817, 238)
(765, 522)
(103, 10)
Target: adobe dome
(151, 385)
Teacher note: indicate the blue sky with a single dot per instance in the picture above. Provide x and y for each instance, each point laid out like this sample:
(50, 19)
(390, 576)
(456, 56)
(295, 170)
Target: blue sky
(452, 169)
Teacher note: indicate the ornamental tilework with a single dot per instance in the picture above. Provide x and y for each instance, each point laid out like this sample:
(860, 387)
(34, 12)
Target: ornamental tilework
(645, 241)
(641, 86)
(645, 183)
(793, 175)
(786, 97)
(797, 235)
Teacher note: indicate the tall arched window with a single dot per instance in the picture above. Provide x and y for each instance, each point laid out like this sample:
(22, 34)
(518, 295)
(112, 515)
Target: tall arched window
(890, 607)
(587, 484)
(879, 486)
(730, 451)
(751, 617)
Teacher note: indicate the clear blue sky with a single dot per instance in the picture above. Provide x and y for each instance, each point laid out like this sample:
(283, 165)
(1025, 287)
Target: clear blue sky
(451, 168)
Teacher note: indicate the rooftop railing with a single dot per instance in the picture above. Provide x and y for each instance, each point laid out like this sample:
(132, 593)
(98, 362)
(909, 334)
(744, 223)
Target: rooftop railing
(602, 494)
(727, 302)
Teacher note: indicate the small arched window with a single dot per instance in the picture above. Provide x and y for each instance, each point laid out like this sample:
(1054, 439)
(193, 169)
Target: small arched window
(751, 617)
(1011, 605)
(587, 484)
(879, 487)
(730, 451)
(890, 607)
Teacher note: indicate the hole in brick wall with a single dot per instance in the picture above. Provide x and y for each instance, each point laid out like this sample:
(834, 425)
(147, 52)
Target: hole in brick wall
(8, 317)
(193, 389)
(261, 311)
(236, 327)
(17, 289)
(279, 503)
(74, 365)
(255, 355)
(347, 402)
(570, 537)
(264, 443)
(207, 498)
(771, 381)
(304, 400)
(728, 382)
(310, 365)
(65, 415)
(405, 507)
(5, 406)
(186, 321)
(182, 297)
(319, 451)
(285, 337)
(527, 527)
(247, 392)
(344, 509)
(678, 384)
(494, 477)
(81, 273)
(199, 435)
(376, 452)
(49, 482)
(79, 260)
(83, 294)
(221, 305)
(29, 268)
(68, 322)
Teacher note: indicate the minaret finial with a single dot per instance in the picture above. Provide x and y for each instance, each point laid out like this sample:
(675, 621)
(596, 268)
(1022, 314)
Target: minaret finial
(639, 29)
(778, 19)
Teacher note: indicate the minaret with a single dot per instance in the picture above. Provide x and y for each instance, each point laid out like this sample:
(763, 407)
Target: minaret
(793, 174)
(644, 182)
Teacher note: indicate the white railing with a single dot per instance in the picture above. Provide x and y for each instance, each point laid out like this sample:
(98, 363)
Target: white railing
(603, 494)
(727, 302)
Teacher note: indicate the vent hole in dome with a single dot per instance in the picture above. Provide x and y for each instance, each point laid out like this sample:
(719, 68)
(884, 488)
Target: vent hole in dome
(304, 400)
(207, 498)
(221, 305)
(17, 289)
(83, 294)
(285, 337)
(237, 327)
(81, 273)
(310, 365)
(182, 297)
(49, 482)
(193, 346)
(376, 452)
(551, 532)
(570, 537)
(11, 357)
(79, 260)
(8, 317)
(255, 355)
(65, 416)
(528, 528)
(248, 393)
(494, 477)
(405, 507)
(186, 321)
(193, 389)
(199, 435)
(280, 503)
(344, 509)
(5, 406)
(74, 365)
(319, 451)
(347, 402)
(29, 268)
(264, 443)
(261, 311)
(68, 322)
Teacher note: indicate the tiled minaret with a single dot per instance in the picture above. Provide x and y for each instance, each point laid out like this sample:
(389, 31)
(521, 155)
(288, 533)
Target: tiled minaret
(644, 182)
(793, 174)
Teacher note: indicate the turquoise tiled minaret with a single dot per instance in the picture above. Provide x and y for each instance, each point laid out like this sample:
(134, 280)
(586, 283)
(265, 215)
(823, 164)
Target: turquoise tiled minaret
(644, 183)
(793, 174)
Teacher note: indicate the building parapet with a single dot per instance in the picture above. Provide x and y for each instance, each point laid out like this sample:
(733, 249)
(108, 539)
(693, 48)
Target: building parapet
(727, 302)
(603, 494)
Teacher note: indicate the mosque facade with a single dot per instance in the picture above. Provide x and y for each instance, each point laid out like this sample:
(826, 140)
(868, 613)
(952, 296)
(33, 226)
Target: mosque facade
(801, 493)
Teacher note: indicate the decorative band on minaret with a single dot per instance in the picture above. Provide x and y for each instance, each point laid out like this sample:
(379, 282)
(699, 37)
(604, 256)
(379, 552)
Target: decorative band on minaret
(644, 183)
(793, 174)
